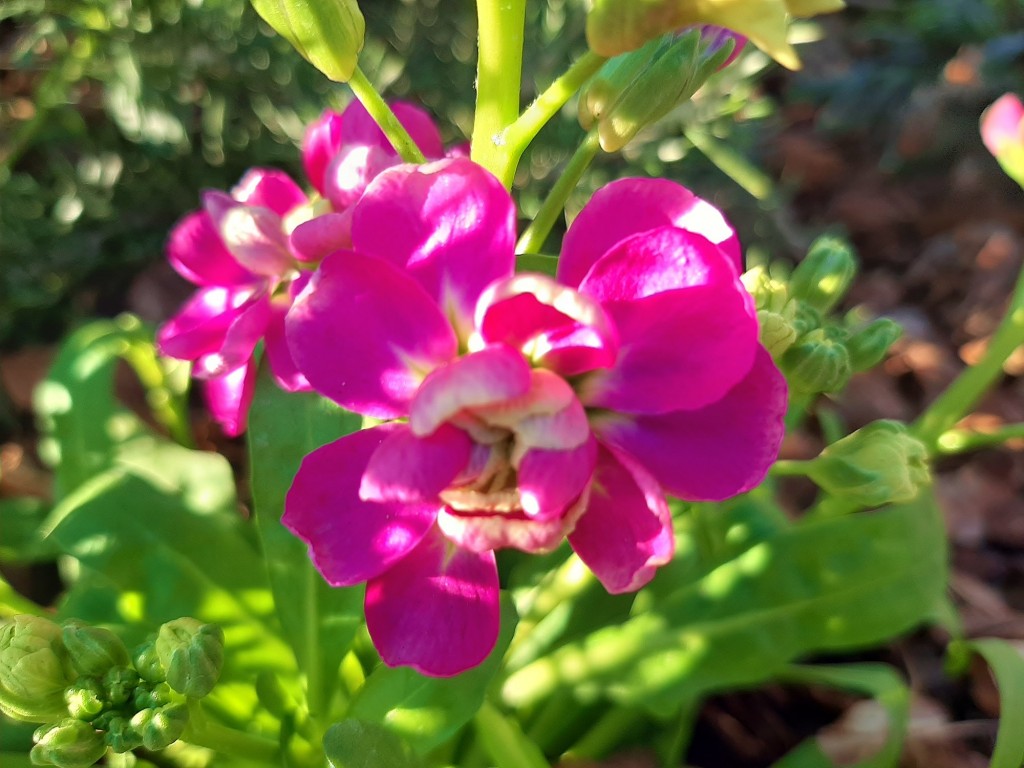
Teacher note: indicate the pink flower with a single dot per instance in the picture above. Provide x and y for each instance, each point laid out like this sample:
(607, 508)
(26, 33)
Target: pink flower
(1002, 124)
(715, 37)
(523, 409)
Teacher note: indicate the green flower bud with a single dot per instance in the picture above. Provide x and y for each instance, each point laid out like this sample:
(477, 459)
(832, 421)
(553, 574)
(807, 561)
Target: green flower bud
(868, 345)
(120, 683)
(68, 744)
(816, 363)
(147, 663)
(161, 727)
(878, 464)
(777, 333)
(769, 293)
(85, 698)
(34, 670)
(614, 77)
(805, 318)
(121, 735)
(93, 650)
(327, 33)
(152, 695)
(825, 274)
(192, 653)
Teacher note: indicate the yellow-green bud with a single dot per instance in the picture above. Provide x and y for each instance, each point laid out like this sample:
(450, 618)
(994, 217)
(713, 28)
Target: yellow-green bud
(152, 695)
(327, 33)
(816, 363)
(161, 727)
(68, 744)
(93, 650)
(85, 698)
(614, 77)
(878, 464)
(121, 735)
(192, 653)
(868, 345)
(147, 663)
(769, 292)
(777, 333)
(823, 277)
(34, 670)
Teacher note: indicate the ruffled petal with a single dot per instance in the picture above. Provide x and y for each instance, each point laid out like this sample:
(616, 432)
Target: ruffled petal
(486, 530)
(244, 333)
(630, 206)
(451, 224)
(321, 143)
(409, 468)
(436, 610)
(321, 236)
(282, 365)
(365, 334)
(714, 452)
(197, 253)
(558, 327)
(626, 533)
(351, 540)
(551, 481)
(492, 375)
(200, 326)
(271, 189)
(253, 234)
(229, 396)
(351, 170)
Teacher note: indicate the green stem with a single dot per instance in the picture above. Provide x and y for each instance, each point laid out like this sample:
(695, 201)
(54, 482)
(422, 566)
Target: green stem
(499, 76)
(791, 467)
(974, 381)
(504, 740)
(535, 235)
(385, 118)
(956, 441)
(169, 407)
(606, 733)
(204, 732)
(732, 164)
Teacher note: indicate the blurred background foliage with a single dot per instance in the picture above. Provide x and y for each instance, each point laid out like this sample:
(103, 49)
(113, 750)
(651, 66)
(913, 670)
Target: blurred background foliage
(114, 114)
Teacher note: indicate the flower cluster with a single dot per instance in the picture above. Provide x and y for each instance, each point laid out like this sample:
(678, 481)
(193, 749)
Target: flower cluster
(520, 409)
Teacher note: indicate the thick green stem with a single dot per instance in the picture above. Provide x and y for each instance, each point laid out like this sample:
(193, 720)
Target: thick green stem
(505, 741)
(535, 235)
(974, 381)
(606, 733)
(204, 732)
(499, 74)
(791, 467)
(964, 440)
(385, 118)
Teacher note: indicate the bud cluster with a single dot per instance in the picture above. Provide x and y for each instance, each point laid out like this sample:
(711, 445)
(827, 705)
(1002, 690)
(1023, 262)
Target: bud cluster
(92, 694)
(817, 352)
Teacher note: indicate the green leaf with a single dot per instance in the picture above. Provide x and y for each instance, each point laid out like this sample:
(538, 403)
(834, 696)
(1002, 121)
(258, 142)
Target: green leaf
(327, 33)
(319, 621)
(427, 711)
(20, 519)
(877, 680)
(1007, 664)
(359, 744)
(826, 585)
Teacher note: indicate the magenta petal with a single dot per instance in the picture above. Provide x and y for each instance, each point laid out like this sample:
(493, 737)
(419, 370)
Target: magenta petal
(451, 224)
(200, 326)
(1002, 124)
(626, 532)
(551, 481)
(680, 349)
(312, 240)
(282, 366)
(436, 610)
(410, 468)
(351, 170)
(351, 540)
(492, 375)
(269, 188)
(229, 396)
(360, 128)
(197, 253)
(365, 334)
(629, 206)
(253, 234)
(321, 143)
(242, 336)
(714, 452)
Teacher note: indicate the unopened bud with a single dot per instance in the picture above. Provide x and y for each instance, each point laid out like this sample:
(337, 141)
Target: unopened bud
(161, 727)
(823, 277)
(192, 653)
(614, 77)
(777, 333)
(85, 698)
(878, 464)
(68, 744)
(152, 695)
(868, 346)
(119, 683)
(93, 650)
(34, 670)
(816, 363)
(121, 736)
(769, 292)
(327, 33)
(147, 663)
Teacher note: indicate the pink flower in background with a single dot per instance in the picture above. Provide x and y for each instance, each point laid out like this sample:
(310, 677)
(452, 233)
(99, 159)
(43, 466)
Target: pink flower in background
(522, 409)
(1002, 130)
(246, 250)
(715, 37)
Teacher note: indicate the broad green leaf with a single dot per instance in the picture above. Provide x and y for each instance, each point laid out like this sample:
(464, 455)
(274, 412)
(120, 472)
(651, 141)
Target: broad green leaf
(360, 744)
(319, 621)
(825, 585)
(427, 711)
(1007, 664)
(327, 33)
(20, 519)
(877, 680)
